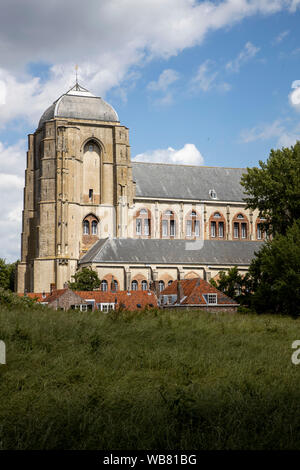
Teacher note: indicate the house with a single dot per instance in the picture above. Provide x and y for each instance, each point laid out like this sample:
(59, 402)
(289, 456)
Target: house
(191, 293)
(64, 299)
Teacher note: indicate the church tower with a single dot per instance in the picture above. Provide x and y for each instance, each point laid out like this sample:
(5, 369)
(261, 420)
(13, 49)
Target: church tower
(78, 188)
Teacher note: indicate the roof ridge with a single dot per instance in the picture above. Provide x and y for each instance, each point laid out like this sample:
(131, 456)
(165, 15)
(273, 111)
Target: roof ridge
(193, 166)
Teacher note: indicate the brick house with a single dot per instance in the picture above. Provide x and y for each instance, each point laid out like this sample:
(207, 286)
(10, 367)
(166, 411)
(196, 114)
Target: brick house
(191, 293)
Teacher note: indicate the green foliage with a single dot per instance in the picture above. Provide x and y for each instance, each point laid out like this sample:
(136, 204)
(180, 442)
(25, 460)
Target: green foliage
(7, 274)
(275, 274)
(12, 300)
(233, 284)
(274, 188)
(172, 380)
(86, 279)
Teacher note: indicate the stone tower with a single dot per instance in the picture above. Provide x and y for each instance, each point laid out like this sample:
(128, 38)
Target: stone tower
(78, 187)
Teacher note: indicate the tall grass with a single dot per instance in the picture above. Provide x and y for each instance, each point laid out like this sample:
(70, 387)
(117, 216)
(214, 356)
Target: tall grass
(148, 380)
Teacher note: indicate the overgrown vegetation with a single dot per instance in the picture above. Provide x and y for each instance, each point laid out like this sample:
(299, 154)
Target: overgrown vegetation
(148, 380)
(7, 274)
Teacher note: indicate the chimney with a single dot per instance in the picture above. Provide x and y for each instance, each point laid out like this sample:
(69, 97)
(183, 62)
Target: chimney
(180, 293)
(52, 287)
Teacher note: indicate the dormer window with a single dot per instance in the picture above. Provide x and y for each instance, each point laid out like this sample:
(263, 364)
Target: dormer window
(213, 194)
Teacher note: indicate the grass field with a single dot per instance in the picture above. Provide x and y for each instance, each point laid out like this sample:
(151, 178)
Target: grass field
(148, 380)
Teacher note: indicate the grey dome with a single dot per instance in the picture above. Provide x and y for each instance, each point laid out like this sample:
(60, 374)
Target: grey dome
(79, 103)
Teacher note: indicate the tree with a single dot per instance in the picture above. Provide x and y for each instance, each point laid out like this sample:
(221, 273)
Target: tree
(86, 279)
(233, 284)
(274, 188)
(275, 274)
(7, 274)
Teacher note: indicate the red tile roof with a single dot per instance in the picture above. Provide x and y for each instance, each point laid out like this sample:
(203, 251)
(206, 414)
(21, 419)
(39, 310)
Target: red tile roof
(40, 296)
(192, 291)
(129, 300)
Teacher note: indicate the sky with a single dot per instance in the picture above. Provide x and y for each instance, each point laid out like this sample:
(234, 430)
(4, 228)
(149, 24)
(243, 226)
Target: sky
(213, 83)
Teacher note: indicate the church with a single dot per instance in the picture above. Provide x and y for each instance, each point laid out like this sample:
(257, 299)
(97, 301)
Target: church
(86, 204)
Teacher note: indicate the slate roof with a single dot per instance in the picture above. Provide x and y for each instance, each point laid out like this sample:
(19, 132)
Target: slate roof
(130, 250)
(80, 105)
(157, 180)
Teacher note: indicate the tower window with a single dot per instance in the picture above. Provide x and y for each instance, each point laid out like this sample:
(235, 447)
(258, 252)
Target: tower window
(94, 227)
(86, 227)
(90, 194)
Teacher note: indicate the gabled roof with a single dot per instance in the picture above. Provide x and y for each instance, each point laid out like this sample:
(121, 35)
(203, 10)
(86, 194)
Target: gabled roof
(184, 182)
(132, 250)
(193, 290)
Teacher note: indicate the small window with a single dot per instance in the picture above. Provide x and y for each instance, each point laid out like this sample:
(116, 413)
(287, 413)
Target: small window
(213, 194)
(104, 286)
(169, 213)
(217, 215)
(139, 226)
(213, 229)
(91, 148)
(244, 230)
(197, 228)
(134, 285)
(236, 230)
(90, 194)
(86, 227)
(143, 212)
(211, 299)
(144, 285)
(193, 214)
(172, 228)
(170, 282)
(147, 227)
(161, 286)
(189, 228)
(259, 231)
(94, 227)
(139, 305)
(164, 228)
(240, 216)
(221, 229)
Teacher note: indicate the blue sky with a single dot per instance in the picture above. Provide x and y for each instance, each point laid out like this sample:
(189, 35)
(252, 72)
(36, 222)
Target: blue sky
(213, 83)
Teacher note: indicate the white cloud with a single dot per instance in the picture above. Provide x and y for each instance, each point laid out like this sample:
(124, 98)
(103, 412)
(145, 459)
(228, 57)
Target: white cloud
(280, 37)
(2, 92)
(166, 78)
(163, 84)
(283, 133)
(205, 78)
(188, 155)
(105, 45)
(248, 52)
(12, 166)
(294, 96)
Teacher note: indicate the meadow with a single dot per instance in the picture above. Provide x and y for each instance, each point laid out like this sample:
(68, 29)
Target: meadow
(169, 380)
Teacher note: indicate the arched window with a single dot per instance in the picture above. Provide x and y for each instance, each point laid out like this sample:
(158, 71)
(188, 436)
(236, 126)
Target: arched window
(114, 285)
(104, 286)
(143, 223)
(144, 285)
(168, 224)
(240, 227)
(86, 227)
(94, 227)
(192, 225)
(170, 282)
(134, 285)
(161, 286)
(90, 225)
(217, 226)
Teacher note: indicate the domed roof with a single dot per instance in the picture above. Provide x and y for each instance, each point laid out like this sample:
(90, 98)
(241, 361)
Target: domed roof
(79, 103)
